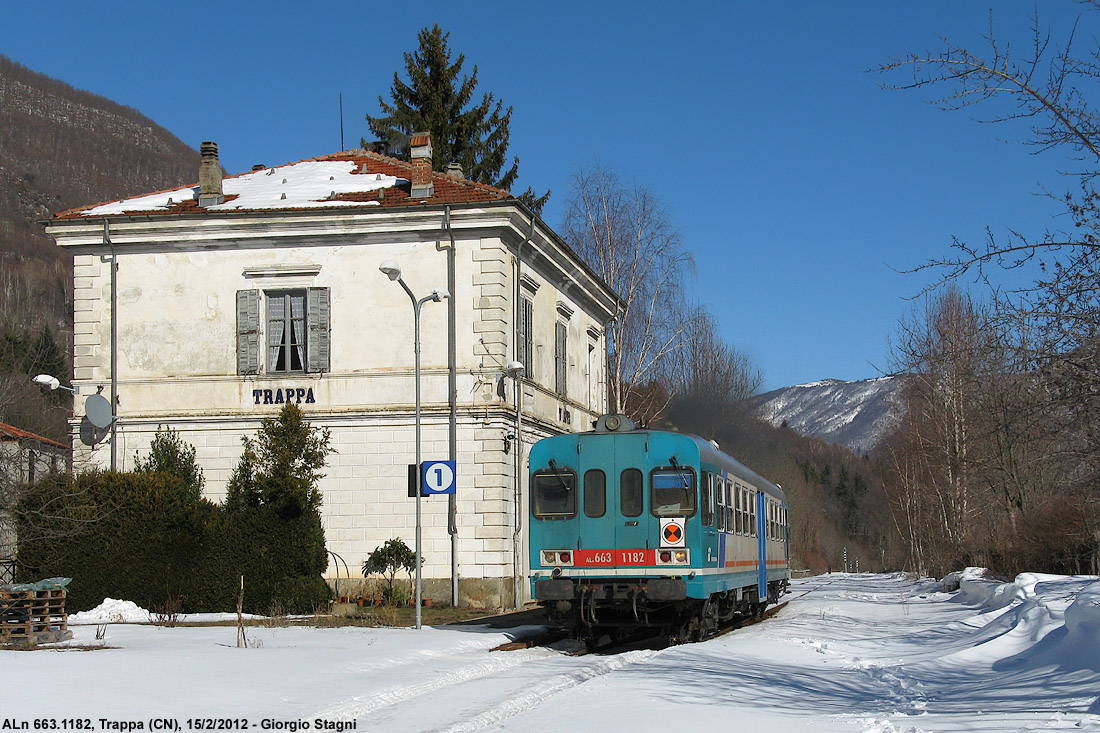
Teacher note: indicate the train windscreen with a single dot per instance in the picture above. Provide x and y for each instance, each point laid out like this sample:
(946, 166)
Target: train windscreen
(554, 494)
(673, 492)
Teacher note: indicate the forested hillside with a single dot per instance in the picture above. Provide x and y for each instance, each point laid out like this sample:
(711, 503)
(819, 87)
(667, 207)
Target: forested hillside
(59, 148)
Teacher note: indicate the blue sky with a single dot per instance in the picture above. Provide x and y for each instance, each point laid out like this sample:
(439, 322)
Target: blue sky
(800, 186)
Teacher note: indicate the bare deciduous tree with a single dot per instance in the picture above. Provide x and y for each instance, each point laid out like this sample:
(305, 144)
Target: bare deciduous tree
(626, 236)
(710, 380)
(1045, 403)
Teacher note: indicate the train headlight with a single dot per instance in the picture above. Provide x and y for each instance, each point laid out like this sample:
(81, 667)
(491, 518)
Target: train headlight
(557, 557)
(674, 557)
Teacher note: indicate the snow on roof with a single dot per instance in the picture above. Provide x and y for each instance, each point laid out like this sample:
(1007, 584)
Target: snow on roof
(351, 178)
(308, 184)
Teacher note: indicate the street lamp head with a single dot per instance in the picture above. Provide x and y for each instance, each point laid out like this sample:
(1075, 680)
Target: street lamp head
(391, 269)
(47, 381)
(514, 369)
(440, 294)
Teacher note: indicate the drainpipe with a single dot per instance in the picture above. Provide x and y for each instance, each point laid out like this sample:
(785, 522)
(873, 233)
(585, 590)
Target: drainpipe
(452, 399)
(517, 554)
(114, 344)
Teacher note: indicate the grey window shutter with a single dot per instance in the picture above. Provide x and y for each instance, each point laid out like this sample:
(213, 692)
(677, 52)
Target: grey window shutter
(560, 359)
(523, 335)
(318, 342)
(248, 331)
(529, 335)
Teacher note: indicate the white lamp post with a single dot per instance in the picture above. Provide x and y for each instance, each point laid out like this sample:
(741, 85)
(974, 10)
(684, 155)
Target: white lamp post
(392, 270)
(514, 370)
(48, 380)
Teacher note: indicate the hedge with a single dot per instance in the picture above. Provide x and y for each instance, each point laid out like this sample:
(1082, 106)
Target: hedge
(145, 538)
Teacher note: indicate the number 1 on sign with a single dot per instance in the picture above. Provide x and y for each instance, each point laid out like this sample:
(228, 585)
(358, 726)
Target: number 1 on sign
(439, 477)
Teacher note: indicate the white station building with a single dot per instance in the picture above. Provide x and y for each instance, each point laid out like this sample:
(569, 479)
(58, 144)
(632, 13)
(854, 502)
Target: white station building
(235, 296)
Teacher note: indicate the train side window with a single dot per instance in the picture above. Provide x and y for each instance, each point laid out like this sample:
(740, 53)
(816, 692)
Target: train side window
(630, 492)
(729, 507)
(554, 494)
(747, 497)
(673, 492)
(707, 490)
(595, 493)
(739, 514)
(719, 510)
(752, 512)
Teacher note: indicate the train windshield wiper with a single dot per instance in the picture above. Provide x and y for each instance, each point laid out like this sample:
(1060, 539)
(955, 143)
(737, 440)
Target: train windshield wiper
(684, 475)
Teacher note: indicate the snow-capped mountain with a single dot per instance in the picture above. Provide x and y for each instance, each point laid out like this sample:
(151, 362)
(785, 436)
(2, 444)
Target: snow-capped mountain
(857, 415)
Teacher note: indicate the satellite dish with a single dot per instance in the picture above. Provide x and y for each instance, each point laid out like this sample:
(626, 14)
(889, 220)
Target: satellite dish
(98, 411)
(90, 435)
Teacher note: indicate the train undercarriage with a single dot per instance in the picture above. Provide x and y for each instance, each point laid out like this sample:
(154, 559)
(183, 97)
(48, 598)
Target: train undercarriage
(600, 610)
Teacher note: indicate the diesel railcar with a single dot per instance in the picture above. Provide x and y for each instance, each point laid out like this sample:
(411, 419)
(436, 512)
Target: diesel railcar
(635, 529)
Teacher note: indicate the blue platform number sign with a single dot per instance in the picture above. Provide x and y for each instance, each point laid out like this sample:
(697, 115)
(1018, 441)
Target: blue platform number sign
(438, 477)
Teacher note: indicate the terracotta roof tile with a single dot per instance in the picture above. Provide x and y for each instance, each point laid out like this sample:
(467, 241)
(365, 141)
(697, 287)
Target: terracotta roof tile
(12, 432)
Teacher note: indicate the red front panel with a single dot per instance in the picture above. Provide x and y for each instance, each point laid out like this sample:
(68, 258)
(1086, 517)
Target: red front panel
(613, 558)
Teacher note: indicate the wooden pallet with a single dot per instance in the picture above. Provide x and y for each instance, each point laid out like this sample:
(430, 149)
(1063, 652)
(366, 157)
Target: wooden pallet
(33, 616)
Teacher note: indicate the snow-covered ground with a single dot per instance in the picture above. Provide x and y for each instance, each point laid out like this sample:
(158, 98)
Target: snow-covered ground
(878, 653)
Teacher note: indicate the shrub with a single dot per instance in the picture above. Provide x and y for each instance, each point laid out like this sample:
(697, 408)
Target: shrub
(386, 560)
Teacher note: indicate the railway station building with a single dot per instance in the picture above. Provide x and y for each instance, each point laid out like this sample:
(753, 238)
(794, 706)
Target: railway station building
(235, 296)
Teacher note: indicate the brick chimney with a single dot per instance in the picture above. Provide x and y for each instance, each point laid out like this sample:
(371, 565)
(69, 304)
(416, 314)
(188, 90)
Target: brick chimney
(420, 152)
(210, 175)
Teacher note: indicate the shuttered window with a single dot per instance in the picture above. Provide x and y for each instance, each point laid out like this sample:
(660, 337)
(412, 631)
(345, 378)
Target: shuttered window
(248, 331)
(296, 331)
(317, 316)
(561, 358)
(524, 334)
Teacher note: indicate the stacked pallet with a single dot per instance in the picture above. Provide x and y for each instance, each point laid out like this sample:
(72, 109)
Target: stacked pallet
(33, 616)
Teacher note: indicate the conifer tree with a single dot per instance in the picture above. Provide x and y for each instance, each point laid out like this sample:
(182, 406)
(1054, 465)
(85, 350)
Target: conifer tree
(436, 100)
(169, 453)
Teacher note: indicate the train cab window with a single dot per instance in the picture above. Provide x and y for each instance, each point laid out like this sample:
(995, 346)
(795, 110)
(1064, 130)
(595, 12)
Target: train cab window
(673, 492)
(630, 492)
(554, 494)
(595, 493)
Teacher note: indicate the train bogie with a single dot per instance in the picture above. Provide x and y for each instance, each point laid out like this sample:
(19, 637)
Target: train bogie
(644, 529)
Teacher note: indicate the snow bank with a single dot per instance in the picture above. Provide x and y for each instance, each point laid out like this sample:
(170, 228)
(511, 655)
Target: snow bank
(1083, 616)
(111, 611)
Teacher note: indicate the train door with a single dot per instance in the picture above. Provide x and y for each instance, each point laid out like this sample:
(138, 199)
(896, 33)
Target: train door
(762, 543)
(633, 528)
(708, 510)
